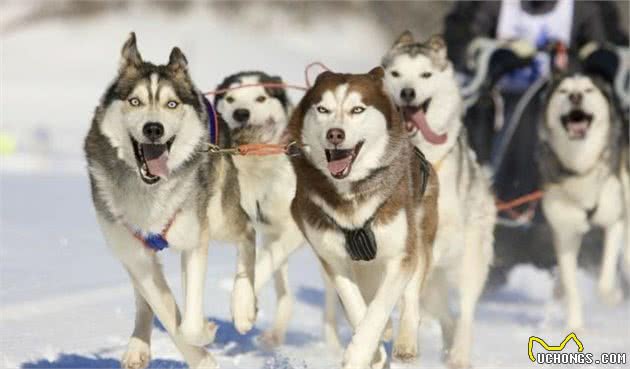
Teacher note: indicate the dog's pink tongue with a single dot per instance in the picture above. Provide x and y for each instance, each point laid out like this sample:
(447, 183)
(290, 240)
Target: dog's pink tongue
(158, 166)
(338, 166)
(578, 128)
(420, 121)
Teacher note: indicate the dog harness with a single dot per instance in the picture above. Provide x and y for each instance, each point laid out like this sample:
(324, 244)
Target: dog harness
(154, 241)
(361, 242)
(213, 123)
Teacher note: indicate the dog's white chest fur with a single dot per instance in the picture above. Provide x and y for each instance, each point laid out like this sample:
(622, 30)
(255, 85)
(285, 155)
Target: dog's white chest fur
(390, 238)
(267, 185)
(597, 192)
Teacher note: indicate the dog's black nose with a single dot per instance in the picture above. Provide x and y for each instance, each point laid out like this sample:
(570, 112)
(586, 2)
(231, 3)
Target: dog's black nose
(408, 94)
(153, 130)
(335, 136)
(575, 98)
(241, 115)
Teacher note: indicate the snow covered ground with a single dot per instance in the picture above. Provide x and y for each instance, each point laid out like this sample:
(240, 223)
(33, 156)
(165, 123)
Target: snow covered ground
(66, 303)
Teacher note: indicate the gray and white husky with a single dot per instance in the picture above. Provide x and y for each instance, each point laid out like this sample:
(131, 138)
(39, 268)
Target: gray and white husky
(421, 80)
(583, 160)
(258, 114)
(154, 185)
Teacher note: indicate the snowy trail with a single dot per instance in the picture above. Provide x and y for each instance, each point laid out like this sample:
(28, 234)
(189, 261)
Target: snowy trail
(73, 307)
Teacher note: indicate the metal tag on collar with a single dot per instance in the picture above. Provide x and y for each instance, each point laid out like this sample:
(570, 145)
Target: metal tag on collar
(361, 243)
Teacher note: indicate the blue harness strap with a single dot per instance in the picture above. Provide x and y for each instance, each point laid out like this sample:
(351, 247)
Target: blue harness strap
(153, 241)
(213, 124)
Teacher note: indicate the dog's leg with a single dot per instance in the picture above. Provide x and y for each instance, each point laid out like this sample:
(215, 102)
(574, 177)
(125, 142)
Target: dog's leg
(194, 327)
(273, 260)
(276, 253)
(568, 225)
(365, 341)
(243, 295)
(354, 305)
(148, 279)
(435, 302)
(330, 314)
(406, 342)
(369, 280)
(284, 306)
(472, 277)
(567, 245)
(607, 288)
(138, 354)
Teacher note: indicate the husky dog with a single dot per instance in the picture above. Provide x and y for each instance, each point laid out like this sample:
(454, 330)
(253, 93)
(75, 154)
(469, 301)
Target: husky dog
(365, 200)
(153, 186)
(421, 81)
(583, 160)
(257, 114)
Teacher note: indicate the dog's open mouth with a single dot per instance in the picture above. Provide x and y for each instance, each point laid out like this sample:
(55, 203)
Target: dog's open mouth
(152, 159)
(415, 120)
(576, 123)
(340, 160)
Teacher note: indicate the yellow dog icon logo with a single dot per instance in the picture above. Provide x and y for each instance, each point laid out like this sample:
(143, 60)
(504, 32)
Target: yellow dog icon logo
(560, 347)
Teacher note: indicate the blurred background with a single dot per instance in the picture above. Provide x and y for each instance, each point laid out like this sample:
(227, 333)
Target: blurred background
(66, 303)
(58, 55)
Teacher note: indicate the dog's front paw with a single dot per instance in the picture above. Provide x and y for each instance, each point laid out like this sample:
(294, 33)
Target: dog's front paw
(405, 353)
(456, 360)
(405, 350)
(198, 334)
(354, 358)
(243, 305)
(611, 296)
(137, 356)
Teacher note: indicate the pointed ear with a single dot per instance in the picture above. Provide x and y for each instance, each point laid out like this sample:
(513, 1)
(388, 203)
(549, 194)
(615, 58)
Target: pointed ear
(130, 57)
(322, 75)
(177, 61)
(405, 38)
(377, 73)
(437, 51)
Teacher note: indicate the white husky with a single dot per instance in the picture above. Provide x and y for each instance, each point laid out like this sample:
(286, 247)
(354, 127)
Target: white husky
(584, 166)
(421, 80)
(258, 114)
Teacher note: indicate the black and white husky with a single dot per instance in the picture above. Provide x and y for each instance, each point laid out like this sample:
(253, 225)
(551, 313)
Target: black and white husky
(154, 185)
(259, 114)
(421, 81)
(583, 160)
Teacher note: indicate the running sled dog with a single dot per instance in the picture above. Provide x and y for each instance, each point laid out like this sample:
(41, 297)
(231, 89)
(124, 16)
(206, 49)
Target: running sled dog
(154, 185)
(583, 160)
(421, 81)
(260, 114)
(366, 200)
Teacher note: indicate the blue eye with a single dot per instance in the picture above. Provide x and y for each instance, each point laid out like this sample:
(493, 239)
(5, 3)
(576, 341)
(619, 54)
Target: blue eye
(134, 101)
(172, 104)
